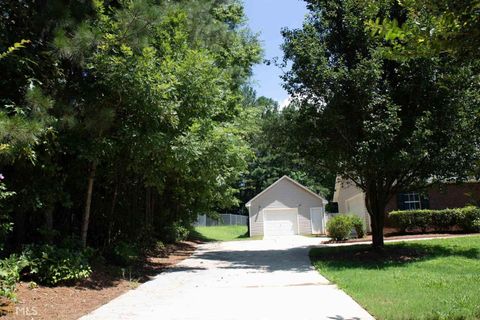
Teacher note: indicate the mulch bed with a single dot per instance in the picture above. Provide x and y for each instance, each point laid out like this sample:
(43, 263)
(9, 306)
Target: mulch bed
(105, 284)
(369, 255)
(368, 238)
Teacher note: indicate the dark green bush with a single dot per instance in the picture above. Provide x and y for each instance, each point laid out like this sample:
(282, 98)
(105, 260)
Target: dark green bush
(175, 232)
(50, 265)
(468, 219)
(6, 226)
(357, 225)
(339, 227)
(411, 219)
(123, 253)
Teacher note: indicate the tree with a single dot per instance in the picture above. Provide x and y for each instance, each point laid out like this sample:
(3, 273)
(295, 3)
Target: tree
(429, 28)
(387, 126)
(171, 110)
(30, 76)
(273, 152)
(135, 110)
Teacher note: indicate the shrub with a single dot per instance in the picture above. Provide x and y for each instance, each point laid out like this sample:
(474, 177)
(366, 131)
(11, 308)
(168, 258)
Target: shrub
(468, 219)
(410, 219)
(6, 225)
(50, 265)
(357, 225)
(146, 239)
(339, 227)
(10, 270)
(175, 232)
(123, 253)
(47, 264)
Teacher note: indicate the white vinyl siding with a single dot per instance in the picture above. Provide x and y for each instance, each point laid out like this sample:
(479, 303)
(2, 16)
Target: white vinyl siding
(356, 205)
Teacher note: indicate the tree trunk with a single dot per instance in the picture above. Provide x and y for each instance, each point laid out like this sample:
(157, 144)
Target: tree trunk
(19, 227)
(377, 229)
(376, 202)
(112, 212)
(49, 224)
(148, 207)
(88, 202)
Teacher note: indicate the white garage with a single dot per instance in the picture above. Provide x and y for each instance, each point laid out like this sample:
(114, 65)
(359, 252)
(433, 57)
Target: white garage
(286, 208)
(280, 222)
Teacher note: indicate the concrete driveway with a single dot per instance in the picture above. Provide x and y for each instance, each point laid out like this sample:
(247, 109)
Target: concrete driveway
(262, 279)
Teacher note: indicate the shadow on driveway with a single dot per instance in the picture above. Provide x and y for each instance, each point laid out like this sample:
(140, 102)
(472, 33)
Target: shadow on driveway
(270, 260)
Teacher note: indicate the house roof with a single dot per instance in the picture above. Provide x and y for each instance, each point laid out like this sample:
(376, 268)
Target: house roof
(292, 181)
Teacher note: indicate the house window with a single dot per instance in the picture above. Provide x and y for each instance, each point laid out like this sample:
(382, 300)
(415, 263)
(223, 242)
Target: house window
(412, 201)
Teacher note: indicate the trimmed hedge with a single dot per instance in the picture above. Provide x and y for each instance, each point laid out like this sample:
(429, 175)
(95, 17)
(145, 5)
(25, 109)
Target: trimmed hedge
(468, 219)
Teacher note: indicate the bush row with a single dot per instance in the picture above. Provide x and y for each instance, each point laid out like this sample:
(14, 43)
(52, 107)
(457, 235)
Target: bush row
(340, 227)
(67, 262)
(468, 219)
(45, 264)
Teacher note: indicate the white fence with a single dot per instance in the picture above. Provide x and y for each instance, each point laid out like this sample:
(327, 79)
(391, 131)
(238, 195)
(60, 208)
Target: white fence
(226, 219)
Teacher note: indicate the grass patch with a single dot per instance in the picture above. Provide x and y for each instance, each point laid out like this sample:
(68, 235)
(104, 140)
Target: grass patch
(220, 233)
(434, 279)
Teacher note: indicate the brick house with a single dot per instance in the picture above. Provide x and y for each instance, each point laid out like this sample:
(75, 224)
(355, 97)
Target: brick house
(351, 199)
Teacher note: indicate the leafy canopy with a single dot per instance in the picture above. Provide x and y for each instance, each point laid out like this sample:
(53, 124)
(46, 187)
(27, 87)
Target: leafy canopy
(386, 125)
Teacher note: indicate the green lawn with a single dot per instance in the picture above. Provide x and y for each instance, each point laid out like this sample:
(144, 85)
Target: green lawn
(434, 279)
(221, 233)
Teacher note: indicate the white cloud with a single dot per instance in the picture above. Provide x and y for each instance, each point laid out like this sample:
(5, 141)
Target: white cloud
(285, 102)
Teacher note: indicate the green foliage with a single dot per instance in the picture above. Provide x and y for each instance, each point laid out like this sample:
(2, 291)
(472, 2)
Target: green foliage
(430, 28)
(358, 225)
(175, 232)
(340, 227)
(441, 220)
(50, 265)
(373, 120)
(275, 153)
(10, 272)
(147, 93)
(16, 46)
(6, 225)
(123, 253)
(46, 264)
(470, 219)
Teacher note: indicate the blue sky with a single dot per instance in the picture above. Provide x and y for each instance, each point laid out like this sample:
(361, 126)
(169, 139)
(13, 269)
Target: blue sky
(268, 17)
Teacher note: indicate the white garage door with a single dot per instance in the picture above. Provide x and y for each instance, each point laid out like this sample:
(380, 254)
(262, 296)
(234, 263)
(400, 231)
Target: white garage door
(280, 222)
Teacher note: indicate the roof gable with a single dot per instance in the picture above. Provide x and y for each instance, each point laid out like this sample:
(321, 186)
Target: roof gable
(286, 178)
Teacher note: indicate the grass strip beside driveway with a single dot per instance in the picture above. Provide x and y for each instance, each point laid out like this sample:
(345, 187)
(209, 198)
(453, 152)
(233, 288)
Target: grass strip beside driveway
(220, 233)
(431, 279)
